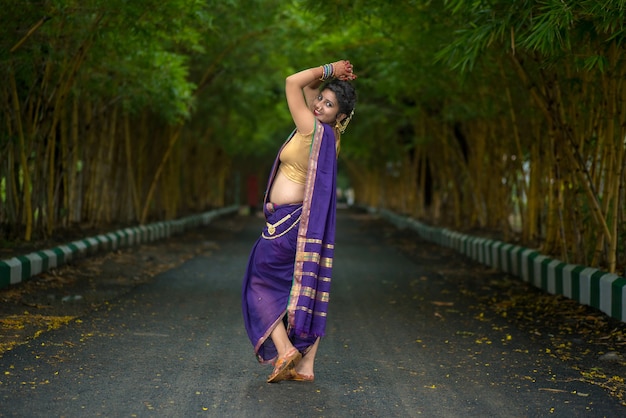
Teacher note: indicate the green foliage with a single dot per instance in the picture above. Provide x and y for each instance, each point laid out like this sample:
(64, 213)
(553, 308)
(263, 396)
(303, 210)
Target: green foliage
(137, 50)
(210, 63)
(549, 27)
(427, 69)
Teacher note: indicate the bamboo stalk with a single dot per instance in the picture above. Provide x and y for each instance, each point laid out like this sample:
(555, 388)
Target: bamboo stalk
(172, 142)
(27, 204)
(618, 154)
(12, 195)
(50, 182)
(129, 169)
(448, 163)
(30, 32)
(529, 227)
(72, 192)
(516, 138)
(111, 173)
(92, 156)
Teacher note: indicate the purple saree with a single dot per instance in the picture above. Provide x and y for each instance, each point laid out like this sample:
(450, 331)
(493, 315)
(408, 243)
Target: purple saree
(290, 265)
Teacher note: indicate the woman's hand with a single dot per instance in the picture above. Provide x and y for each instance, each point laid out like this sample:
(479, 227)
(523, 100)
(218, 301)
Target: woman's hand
(343, 70)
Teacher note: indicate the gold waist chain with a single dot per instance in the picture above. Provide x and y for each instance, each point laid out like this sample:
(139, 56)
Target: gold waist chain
(271, 228)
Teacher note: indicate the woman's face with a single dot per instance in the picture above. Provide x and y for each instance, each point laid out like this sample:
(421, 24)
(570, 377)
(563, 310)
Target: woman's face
(325, 107)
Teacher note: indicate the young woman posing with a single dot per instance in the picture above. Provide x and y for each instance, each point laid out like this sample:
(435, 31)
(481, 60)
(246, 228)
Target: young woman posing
(287, 283)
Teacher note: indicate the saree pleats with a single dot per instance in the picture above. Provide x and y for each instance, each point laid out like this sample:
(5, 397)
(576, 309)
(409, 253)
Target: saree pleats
(290, 266)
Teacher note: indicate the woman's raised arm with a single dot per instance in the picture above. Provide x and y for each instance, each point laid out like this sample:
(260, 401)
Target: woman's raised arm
(301, 89)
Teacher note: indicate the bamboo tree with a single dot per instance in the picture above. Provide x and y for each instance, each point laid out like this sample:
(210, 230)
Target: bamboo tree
(26, 189)
(540, 137)
(536, 37)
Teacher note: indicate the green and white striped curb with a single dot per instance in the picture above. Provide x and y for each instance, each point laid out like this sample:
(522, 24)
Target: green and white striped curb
(19, 269)
(586, 285)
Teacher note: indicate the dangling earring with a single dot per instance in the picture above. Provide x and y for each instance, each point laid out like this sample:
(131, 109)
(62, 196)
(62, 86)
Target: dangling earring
(343, 125)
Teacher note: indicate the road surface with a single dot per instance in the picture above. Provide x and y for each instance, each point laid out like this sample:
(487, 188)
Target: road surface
(411, 332)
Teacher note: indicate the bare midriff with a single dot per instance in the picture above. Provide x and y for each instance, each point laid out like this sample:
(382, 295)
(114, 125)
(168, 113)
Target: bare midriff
(285, 191)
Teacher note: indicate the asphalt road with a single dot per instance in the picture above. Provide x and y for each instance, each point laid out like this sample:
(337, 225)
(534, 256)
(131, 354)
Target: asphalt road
(406, 337)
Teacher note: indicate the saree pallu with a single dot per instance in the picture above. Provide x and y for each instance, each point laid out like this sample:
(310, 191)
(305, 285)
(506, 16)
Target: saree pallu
(290, 266)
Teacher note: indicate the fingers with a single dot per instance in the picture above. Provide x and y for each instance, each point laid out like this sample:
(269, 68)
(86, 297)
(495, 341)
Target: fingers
(347, 77)
(345, 70)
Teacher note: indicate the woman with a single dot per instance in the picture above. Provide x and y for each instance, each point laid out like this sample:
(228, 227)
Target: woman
(287, 283)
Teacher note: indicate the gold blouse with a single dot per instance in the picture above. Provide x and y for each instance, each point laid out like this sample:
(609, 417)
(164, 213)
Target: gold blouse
(294, 158)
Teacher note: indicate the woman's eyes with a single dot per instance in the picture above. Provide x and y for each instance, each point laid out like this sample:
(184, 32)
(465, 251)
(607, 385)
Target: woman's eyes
(320, 98)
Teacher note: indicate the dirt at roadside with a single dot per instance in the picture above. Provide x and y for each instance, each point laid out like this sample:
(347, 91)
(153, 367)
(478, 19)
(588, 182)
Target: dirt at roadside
(58, 296)
(588, 340)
